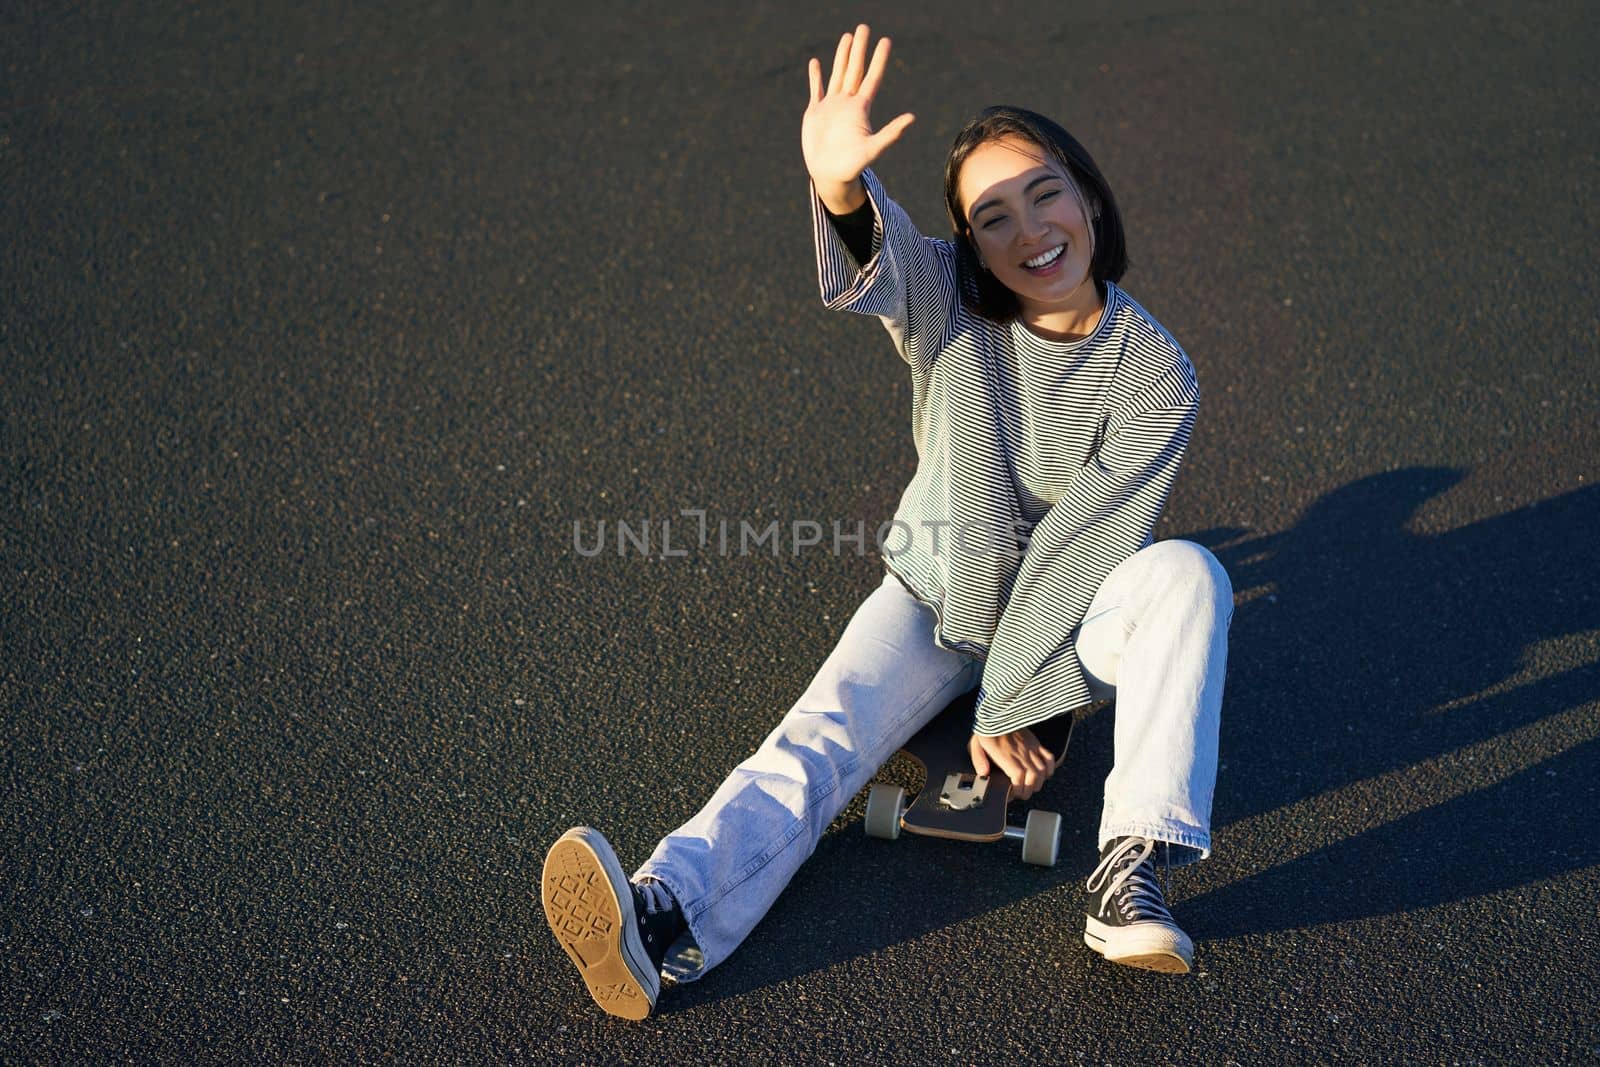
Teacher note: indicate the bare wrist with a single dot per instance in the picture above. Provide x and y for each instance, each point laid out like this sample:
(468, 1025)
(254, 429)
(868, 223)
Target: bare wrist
(841, 198)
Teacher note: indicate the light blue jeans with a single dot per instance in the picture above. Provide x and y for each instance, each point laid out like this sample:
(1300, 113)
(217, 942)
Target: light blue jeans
(1155, 638)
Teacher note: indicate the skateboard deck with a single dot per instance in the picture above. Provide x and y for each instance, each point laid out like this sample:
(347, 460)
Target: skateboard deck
(955, 802)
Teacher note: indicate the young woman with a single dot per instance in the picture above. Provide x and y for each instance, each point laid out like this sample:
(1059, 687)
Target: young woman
(1050, 413)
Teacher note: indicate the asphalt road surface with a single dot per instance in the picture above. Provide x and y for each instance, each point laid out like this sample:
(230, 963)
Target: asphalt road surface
(320, 330)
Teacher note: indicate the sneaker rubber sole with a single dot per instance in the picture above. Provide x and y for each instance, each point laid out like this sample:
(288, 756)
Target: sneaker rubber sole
(589, 905)
(1151, 946)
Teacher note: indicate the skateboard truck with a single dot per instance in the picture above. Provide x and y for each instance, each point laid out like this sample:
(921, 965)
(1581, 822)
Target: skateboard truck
(955, 801)
(963, 791)
(887, 810)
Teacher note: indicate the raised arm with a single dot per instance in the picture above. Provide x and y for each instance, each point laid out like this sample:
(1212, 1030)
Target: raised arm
(836, 134)
(906, 279)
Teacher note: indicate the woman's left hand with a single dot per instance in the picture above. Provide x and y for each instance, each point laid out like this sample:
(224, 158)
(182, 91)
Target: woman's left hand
(1026, 762)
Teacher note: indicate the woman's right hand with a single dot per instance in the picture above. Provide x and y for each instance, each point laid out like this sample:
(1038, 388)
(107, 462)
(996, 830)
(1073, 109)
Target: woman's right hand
(836, 134)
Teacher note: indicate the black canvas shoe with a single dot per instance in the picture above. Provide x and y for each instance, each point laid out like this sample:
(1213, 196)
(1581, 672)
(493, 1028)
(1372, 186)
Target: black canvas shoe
(615, 933)
(1127, 920)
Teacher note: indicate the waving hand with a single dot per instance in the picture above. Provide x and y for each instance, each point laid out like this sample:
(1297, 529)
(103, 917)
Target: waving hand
(836, 134)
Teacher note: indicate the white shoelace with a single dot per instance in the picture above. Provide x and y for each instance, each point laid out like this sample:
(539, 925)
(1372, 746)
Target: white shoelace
(656, 897)
(1135, 874)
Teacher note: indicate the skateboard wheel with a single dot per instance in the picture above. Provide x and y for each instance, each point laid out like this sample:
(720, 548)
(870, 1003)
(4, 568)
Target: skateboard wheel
(885, 803)
(1041, 838)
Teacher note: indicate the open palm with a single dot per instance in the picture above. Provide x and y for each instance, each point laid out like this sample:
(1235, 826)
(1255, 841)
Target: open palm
(836, 134)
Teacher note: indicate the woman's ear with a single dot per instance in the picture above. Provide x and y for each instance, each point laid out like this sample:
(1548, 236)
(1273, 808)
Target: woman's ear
(977, 255)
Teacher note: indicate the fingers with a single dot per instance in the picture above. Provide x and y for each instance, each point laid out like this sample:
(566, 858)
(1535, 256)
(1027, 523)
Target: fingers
(1019, 755)
(880, 59)
(989, 753)
(850, 74)
(1030, 775)
(841, 60)
(891, 132)
(814, 73)
(1035, 762)
(858, 58)
(1035, 778)
(1046, 760)
(1025, 780)
(980, 758)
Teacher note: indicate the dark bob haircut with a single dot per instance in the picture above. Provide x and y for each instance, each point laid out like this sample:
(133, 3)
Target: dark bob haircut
(981, 291)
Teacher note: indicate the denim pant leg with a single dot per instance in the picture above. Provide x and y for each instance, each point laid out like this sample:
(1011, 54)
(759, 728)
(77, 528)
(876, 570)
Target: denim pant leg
(726, 866)
(1157, 634)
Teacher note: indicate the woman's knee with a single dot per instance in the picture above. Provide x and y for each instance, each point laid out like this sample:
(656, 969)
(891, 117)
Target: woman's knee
(1191, 567)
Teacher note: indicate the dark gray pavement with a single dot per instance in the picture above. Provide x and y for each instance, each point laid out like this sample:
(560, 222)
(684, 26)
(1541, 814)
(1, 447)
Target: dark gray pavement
(320, 330)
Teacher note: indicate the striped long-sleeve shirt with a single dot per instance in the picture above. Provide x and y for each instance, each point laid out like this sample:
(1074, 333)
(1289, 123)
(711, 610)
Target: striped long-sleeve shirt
(1041, 464)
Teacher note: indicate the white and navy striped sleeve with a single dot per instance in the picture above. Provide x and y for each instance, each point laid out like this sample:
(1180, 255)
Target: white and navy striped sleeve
(909, 282)
(1107, 513)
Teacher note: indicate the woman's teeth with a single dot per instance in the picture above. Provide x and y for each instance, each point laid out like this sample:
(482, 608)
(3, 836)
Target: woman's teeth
(1047, 258)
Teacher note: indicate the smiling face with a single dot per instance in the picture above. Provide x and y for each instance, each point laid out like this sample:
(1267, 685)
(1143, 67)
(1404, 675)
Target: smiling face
(1030, 227)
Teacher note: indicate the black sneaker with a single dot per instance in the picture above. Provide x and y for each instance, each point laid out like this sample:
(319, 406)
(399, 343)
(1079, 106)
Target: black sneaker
(1127, 919)
(615, 933)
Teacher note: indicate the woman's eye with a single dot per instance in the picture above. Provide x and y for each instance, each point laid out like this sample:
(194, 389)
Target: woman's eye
(1048, 195)
(989, 223)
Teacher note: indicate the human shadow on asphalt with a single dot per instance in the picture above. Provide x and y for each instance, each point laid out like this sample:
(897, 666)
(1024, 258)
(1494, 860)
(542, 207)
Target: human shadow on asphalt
(1378, 649)
(1359, 648)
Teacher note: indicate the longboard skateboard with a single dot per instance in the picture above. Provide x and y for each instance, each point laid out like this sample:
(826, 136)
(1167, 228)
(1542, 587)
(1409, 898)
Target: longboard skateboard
(955, 802)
